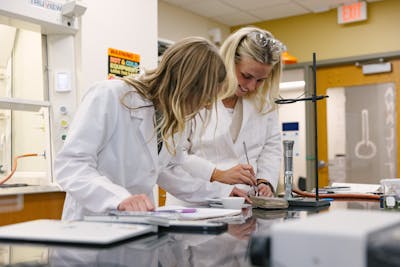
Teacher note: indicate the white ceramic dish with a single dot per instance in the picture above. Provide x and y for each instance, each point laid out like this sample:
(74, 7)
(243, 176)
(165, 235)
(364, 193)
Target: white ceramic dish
(232, 202)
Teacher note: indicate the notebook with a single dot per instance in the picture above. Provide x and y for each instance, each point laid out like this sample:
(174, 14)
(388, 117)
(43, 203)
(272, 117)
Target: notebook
(81, 232)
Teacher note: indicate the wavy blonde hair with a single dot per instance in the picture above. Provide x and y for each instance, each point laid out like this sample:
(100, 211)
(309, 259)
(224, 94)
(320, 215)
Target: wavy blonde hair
(188, 78)
(240, 44)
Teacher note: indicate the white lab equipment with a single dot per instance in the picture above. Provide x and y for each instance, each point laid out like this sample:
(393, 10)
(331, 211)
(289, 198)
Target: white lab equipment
(288, 167)
(391, 193)
(337, 238)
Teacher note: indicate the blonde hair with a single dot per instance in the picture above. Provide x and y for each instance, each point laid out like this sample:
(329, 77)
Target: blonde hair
(188, 78)
(240, 44)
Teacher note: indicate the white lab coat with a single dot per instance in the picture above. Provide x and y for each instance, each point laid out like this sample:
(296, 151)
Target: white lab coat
(216, 148)
(111, 153)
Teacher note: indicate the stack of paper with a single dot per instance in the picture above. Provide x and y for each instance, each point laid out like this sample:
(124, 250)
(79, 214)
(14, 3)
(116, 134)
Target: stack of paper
(165, 216)
(355, 188)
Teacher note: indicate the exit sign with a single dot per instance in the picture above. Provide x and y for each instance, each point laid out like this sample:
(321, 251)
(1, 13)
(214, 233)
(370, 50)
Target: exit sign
(352, 12)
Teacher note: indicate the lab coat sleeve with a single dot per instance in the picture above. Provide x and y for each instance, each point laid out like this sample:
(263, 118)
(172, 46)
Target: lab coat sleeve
(186, 187)
(76, 164)
(195, 165)
(269, 160)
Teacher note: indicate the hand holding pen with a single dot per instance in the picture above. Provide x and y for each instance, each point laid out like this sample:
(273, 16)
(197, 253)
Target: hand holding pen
(239, 174)
(254, 186)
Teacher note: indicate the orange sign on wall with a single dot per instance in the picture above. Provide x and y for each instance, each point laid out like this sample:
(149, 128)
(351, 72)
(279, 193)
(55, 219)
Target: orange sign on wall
(122, 63)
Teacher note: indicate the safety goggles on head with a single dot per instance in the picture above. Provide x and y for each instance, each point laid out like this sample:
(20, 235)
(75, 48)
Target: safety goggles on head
(263, 41)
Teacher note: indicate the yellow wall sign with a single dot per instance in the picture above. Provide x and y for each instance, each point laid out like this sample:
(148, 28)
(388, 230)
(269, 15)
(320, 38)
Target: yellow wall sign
(122, 63)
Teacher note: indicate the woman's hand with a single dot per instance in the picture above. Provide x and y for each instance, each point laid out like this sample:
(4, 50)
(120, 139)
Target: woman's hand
(236, 192)
(136, 203)
(265, 190)
(239, 174)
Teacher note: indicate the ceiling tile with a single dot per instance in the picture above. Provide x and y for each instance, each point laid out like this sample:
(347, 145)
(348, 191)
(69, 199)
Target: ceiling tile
(278, 11)
(321, 6)
(253, 4)
(210, 8)
(180, 2)
(236, 18)
(234, 12)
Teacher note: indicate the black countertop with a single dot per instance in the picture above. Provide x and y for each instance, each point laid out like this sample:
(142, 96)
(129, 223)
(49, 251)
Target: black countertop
(230, 248)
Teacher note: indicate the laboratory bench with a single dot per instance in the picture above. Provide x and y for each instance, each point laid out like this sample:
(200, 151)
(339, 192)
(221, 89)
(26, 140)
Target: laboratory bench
(233, 247)
(24, 203)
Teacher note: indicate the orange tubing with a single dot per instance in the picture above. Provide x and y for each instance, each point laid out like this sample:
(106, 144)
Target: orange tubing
(14, 167)
(337, 196)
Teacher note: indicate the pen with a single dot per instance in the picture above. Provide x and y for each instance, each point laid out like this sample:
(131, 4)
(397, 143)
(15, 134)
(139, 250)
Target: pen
(134, 217)
(245, 152)
(248, 162)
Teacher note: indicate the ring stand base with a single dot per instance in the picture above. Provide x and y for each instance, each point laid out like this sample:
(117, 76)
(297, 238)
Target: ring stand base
(308, 202)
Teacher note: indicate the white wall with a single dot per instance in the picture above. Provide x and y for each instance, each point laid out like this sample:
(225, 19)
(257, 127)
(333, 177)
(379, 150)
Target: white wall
(175, 23)
(129, 25)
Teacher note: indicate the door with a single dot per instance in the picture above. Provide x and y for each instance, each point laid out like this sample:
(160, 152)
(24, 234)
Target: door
(383, 87)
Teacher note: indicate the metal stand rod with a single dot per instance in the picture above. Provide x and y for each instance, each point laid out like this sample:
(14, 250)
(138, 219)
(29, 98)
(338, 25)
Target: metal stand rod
(314, 100)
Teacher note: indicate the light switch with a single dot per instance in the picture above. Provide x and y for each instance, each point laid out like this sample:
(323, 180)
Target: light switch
(62, 81)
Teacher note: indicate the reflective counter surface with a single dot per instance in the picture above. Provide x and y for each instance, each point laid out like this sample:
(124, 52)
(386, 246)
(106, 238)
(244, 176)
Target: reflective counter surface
(230, 248)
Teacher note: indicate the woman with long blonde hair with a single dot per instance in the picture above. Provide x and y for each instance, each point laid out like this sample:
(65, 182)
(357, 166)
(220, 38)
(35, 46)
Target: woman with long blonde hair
(112, 156)
(242, 145)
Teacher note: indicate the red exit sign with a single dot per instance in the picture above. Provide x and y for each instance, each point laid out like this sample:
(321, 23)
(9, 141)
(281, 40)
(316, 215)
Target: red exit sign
(352, 12)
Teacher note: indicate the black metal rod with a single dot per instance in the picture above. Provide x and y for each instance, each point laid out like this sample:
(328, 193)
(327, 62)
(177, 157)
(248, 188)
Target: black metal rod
(314, 100)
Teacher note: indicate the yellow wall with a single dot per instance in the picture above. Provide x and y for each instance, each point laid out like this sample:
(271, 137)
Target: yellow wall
(321, 33)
